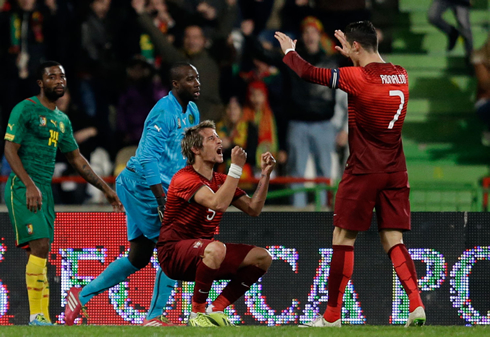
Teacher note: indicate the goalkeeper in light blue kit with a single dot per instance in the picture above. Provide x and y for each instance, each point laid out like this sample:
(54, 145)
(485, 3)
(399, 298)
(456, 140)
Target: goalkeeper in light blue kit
(141, 188)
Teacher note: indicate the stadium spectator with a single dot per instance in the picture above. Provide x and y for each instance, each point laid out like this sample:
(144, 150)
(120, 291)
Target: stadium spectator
(376, 173)
(234, 131)
(461, 10)
(142, 187)
(293, 13)
(258, 112)
(310, 109)
(311, 130)
(36, 129)
(196, 201)
(194, 50)
(167, 17)
(481, 62)
(99, 68)
(335, 14)
(27, 30)
(258, 12)
(143, 90)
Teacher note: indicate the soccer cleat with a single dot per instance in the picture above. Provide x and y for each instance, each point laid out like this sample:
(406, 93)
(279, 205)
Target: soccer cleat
(320, 322)
(40, 320)
(200, 320)
(416, 317)
(73, 306)
(157, 321)
(218, 318)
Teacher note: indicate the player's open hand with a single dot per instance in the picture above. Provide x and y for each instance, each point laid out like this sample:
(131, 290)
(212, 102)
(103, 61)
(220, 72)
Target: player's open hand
(238, 156)
(345, 49)
(113, 199)
(34, 198)
(267, 163)
(285, 41)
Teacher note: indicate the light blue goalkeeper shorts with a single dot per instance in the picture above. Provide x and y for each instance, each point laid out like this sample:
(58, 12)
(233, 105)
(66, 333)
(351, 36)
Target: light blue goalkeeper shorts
(140, 205)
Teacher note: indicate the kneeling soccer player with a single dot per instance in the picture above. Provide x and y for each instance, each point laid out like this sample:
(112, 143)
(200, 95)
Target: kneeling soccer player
(196, 200)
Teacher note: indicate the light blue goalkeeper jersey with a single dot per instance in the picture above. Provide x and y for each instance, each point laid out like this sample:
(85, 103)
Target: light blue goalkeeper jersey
(159, 155)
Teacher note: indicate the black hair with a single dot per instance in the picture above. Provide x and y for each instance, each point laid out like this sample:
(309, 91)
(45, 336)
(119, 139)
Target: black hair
(41, 69)
(364, 33)
(175, 70)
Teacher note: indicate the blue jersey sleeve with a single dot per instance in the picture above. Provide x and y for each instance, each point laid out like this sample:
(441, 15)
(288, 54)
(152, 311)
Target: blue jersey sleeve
(156, 133)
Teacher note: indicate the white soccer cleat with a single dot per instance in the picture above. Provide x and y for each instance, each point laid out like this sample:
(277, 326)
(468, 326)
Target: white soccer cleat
(320, 322)
(416, 317)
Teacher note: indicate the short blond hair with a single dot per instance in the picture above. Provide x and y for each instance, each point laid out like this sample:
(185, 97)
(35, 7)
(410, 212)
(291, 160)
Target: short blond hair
(193, 138)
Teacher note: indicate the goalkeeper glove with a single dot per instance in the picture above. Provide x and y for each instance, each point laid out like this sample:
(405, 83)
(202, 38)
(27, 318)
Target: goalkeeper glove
(161, 206)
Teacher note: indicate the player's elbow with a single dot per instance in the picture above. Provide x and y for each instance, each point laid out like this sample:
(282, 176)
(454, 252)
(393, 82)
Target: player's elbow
(220, 207)
(254, 212)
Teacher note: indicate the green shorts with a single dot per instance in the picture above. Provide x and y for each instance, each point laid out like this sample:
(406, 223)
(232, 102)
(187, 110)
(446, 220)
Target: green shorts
(28, 225)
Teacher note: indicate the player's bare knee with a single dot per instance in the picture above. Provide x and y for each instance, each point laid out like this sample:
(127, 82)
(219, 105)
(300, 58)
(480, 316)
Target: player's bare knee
(390, 238)
(263, 258)
(40, 248)
(216, 251)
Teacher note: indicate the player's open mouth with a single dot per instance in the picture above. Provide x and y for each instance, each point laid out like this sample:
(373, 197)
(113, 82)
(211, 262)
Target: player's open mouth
(219, 151)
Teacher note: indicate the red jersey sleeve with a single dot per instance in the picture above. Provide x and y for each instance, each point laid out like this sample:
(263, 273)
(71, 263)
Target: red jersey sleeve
(349, 79)
(186, 185)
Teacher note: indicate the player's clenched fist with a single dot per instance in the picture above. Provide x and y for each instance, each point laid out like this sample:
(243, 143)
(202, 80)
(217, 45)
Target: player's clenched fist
(267, 163)
(238, 156)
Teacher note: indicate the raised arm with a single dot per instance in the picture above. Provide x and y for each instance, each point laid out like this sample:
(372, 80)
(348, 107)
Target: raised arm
(166, 49)
(253, 206)
(33, 194)
(305, 70)
(226, 19)
(81, 164)
(222, 199)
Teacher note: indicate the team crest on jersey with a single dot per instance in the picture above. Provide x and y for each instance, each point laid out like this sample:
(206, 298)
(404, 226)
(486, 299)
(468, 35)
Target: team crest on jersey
(197, 244)
(42, 121)
(62, 127)
(178, 123)
(191, 118)
(30, 230)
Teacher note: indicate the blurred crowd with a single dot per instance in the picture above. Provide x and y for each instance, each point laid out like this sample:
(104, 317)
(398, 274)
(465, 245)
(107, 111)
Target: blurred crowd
(117, 54)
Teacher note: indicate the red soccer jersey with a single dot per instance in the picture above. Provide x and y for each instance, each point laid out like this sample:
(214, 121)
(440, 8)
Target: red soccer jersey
(378, 97)
(184, 218)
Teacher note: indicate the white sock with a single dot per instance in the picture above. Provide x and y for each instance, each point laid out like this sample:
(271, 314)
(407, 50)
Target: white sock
(33, 317)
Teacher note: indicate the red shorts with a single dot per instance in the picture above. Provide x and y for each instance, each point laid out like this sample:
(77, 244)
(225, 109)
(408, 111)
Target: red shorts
(181, 258)
(358, 195)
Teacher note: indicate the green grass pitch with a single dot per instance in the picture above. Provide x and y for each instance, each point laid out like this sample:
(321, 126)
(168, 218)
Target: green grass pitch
(242, 331)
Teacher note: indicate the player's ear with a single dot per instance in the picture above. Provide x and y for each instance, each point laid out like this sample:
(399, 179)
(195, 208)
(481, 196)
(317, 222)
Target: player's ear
(195, 150)
(356, 46)
(40, 84)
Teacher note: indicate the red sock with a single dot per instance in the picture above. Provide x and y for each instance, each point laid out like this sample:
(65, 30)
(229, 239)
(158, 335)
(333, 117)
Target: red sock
(220, 303)
(239, 284)
(341, 269)
(204, 280)
(405, 269)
